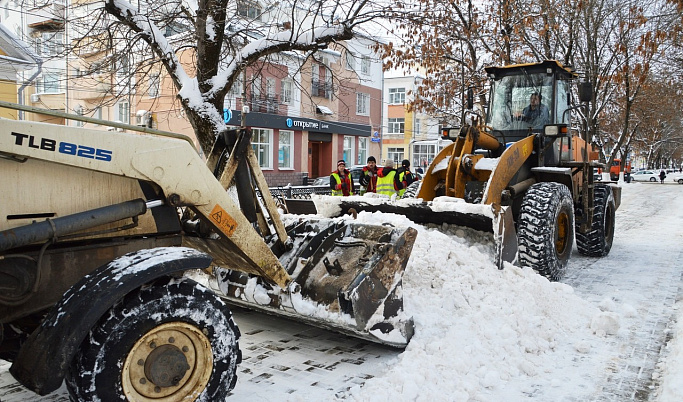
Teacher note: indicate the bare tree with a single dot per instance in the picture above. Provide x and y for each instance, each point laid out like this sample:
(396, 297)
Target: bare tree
(206, 48)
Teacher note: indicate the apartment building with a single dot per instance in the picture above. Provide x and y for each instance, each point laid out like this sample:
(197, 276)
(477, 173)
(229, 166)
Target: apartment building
(40, 24)
(15, 58)
(303, 118)
(408, 134)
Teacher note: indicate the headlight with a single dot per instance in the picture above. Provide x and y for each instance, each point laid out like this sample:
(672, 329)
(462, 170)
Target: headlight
(556, 130)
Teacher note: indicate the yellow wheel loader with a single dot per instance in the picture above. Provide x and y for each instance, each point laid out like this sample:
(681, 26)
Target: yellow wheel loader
(99, 230)
(518, 172)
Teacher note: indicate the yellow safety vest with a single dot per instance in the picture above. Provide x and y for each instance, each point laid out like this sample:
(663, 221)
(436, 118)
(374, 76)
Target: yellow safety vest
(400, 178)
(385, 184)
(336, 192)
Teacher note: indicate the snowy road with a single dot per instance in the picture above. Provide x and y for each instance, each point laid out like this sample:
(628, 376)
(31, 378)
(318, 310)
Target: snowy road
(284, 360)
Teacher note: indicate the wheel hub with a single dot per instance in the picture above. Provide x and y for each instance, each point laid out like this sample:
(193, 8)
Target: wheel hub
(166, 366)
(561, 239)
(171, 362)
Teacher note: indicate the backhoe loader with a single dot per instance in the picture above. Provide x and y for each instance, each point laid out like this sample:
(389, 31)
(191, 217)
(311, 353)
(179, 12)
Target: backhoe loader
(100, 230)
(518, 172)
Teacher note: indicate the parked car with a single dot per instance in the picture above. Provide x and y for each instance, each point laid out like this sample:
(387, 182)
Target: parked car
(678, 178)
(321, 181)
(645, 175)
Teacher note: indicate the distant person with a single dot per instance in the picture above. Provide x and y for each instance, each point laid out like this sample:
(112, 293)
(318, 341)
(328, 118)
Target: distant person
(387, 179)
(368, 179)
(662, 176)
(405, 176)
(341, 181)
(536, 113)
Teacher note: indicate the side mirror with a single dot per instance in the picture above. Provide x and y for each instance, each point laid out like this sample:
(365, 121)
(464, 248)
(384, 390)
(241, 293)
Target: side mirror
(585, 91)
(470, 98)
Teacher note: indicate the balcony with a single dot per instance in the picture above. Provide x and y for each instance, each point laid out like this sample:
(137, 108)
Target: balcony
(321, 89)
(48, 15)
(264, 104)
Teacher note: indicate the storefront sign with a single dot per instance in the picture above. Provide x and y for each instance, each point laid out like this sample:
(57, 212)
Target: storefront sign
(264, 120)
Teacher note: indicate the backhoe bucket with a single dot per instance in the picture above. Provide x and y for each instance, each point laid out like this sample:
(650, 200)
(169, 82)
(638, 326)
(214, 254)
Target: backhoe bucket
(346, 277)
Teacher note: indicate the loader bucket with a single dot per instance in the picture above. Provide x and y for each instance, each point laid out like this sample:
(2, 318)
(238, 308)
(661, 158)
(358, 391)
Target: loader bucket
(450, 210)
(346, 277)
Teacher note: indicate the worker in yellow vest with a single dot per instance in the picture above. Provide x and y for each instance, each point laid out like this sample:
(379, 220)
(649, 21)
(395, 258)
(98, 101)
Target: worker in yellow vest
(387, 180)
(341, 182)
(405, 176)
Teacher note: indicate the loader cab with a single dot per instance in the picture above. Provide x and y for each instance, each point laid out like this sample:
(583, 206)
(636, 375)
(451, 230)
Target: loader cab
(526, 97)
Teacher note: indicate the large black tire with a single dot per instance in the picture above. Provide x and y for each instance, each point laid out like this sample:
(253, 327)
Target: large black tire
(597, 242)
(545, 229)
(172, 338)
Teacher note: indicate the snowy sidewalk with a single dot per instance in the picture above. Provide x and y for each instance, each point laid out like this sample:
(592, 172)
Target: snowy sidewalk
(642, 274)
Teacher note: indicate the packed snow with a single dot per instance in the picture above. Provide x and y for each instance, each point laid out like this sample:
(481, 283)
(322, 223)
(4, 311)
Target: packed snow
(484, 334)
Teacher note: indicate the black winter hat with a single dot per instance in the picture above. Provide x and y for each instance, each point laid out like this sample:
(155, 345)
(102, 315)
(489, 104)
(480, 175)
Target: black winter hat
(405, 163)
(372, 159)
(341, 161)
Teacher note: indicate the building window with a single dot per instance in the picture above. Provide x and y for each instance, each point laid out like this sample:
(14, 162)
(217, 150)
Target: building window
(270, 88)
(123, 80)
(271, 99)
(98, 114)
(154, 82)
(50, 43)
(362, 104)
(285, 150)
(234, 94)
(365, 65)
(123, 112)
(362, 150)
(423, 154)
(397, 96)
(50, 83)
(321, 81)
(350, 61)
(261, 140)
(348, 149)
(395, 154)
(249, 10)
(256, 103)
(396, 125)
(286, 91)
(80, 112)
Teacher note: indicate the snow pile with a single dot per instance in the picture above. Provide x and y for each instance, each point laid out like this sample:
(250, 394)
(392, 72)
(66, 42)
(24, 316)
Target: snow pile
(478, 328)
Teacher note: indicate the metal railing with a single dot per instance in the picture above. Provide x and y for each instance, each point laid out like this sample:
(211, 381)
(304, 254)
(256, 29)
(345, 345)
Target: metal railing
(264, 104)
(302, 192)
